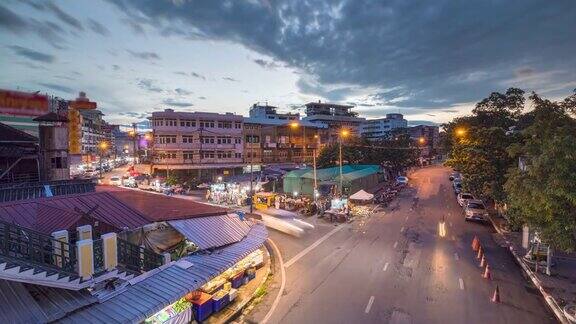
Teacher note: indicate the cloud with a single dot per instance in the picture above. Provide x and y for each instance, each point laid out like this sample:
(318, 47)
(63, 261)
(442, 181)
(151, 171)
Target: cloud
(135, 26)
(192, 74)
(202, 98)
(133, 114)
(182, 92)
(144, 55)
(97, 27)
(230, 79)
(172, 102)
(430, 50)
(269, 65)
(47, 30)
(181, 73)
(63, 16)
(32, 54)
(116, 67)
(148, 85)
(57, 87)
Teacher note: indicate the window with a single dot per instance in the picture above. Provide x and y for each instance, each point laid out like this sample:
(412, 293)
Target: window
(58, 163)
(208, 140)
(252, 139)
(238, 155)
(207, 155)
(187, 139)
(237, 140)
(206, 124)
(188, 155)
(165, 139)
(238, 125)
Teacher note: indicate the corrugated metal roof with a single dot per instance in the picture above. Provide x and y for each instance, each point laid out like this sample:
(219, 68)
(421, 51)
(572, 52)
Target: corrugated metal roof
(163, 288)
(164, 208)
(47, 214)
(214, 231)
(27, 303)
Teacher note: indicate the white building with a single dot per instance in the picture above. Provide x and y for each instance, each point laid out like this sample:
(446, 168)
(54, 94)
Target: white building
(375, 129)
(336, 117)
(269, 112)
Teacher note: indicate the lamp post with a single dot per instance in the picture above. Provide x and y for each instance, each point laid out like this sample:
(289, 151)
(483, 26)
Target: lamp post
(314, 162)
(102, 147)
(343, 133)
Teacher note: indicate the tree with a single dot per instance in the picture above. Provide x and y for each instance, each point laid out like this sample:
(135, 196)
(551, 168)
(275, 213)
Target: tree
(544, 194)
(352, 153)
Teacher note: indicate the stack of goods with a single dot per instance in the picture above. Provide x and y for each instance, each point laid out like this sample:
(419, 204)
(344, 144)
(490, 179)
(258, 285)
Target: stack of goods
(232, 294)
(214, 285)
(202, 305)
(251, 273)
(221, 299)
(237, 280)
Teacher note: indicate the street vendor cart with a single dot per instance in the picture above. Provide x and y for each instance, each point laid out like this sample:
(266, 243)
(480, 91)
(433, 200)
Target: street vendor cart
(264, 200)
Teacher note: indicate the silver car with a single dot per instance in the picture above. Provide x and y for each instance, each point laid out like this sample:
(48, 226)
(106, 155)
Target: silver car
(475, 210)
(463, 198)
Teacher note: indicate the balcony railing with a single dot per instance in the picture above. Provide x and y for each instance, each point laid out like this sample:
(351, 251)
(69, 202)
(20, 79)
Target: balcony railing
(98, 252)
(137, 258)
(23, 244)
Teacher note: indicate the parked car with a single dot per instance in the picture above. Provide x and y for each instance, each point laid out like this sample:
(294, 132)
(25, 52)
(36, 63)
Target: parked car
(463, 198)
(457, 185)
(402, 180)
(115, 181)
(475, 210)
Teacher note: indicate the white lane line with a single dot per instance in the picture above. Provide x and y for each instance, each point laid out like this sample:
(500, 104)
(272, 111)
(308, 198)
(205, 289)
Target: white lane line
(406, 217)
(282, 284)
(311, 247)
(461, 282)
(450, 224)
(402, 229)
(370, 302)
(453, 238)
(456, 257)
(395, 244)
(385, 267)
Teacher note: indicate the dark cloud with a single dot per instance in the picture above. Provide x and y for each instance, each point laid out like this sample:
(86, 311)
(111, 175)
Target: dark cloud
(148, 85)
(144, 55)
(116, 67)
(47, 30)
(230, 79)
(34, 4)
(196, 75)
(172, 102)
(63, 16)
(135, 26)
(98, 27)
(270, 65)
(435, 53)
(57, 87)
(202, 98)
(133, 114)
(422, 122)
(182, 92)
(32, 54)
(181, 73)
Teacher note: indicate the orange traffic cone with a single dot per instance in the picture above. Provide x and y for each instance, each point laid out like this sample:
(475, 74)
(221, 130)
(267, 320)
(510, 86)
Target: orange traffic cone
(487, 274)
(496, 296)
(483, 261)
(480, 252)
(475, 243)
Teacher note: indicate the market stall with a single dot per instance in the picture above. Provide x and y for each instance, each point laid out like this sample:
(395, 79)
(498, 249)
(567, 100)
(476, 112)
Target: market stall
(362, 196)
(263, 200)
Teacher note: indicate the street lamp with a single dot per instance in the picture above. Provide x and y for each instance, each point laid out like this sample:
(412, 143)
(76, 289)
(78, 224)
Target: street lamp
(343, 133)
(422, 140)
(460, 131)
(103, 146)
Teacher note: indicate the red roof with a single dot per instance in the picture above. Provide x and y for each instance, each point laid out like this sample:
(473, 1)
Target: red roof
(47, 215)
(157, 207)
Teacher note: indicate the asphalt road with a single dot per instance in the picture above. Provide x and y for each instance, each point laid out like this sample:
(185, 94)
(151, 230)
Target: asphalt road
(394, 267)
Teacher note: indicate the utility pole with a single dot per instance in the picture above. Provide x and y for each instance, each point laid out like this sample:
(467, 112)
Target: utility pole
(200, 167)
(340, 158)
(251, 180)
(134, 135)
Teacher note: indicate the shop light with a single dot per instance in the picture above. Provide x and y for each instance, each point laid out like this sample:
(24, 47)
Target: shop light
(295, 193)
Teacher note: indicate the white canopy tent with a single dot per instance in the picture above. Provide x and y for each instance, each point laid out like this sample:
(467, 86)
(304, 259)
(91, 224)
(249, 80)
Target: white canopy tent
(362, 195)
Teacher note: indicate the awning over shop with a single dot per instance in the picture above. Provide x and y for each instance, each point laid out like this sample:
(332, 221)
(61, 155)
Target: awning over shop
(213, 231)
(157, 290)
(362, 195)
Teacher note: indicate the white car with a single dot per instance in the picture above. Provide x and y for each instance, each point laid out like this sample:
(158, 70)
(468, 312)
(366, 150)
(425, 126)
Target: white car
(463, 198)
(115, 181)
(475, 210)
(457, 185)
(454, 175)
(402, 180)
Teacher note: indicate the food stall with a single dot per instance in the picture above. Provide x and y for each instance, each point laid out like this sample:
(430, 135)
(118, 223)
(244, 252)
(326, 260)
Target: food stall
(264, 200)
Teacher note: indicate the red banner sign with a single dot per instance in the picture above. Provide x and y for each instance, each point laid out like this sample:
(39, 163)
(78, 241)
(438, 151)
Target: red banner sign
(23, 103)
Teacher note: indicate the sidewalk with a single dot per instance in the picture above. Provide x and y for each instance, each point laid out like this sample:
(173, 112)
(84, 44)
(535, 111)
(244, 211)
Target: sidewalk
(559, 289)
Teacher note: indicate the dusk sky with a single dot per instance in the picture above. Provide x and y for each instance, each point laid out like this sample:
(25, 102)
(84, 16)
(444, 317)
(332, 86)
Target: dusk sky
(430, 60)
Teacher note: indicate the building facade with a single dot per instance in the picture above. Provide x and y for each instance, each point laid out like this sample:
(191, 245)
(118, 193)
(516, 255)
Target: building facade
(377, 129)
(270, 112)
(427, 137)
(197, 141)
(336, 117)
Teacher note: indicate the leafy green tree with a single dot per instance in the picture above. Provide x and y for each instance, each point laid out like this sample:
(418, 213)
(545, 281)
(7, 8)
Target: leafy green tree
(543, 194)
(352, 153)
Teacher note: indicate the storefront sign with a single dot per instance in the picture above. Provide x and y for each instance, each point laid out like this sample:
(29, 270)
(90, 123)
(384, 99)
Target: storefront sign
(23, 104)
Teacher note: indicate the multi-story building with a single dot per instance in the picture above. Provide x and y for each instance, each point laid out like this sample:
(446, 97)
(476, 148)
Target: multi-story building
(282, 142)
(335, 116)
(270, 112)
(197, 141)
(376, 129)
(427, 137)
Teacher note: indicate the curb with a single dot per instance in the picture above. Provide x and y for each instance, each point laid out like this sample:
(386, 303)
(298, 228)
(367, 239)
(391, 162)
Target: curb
(240, 308)
(550, 301)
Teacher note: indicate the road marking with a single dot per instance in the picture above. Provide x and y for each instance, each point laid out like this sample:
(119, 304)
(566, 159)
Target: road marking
(370, 302)
(402, 229)
(461, 282)
(450, 224)
(385, 267)
(406, 217)
(282, 284)
(395, 244)
(453, 238)
(311, 247)
(456, 256)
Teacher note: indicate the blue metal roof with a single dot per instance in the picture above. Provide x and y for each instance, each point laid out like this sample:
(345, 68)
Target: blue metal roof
(213, 231)
(148, 296)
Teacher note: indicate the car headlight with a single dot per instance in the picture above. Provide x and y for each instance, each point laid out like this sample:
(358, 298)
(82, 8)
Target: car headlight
(485, 214)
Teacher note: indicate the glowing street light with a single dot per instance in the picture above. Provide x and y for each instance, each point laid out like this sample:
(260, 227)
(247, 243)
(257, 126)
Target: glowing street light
(343, 133)
(460, 131)
(421, 140)
(103, 145)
